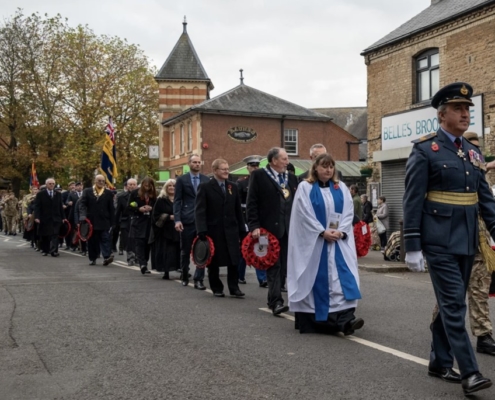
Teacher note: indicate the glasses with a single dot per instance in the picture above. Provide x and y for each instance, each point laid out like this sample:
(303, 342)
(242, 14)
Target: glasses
(224, 169)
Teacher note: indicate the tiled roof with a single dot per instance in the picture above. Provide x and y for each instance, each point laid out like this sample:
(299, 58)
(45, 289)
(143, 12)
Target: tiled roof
(183, 62)
(438, 12)
(245, 100)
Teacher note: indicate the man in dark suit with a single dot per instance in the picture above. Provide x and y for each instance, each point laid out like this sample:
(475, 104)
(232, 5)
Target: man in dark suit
(218, 215)
(269, 204)
(96, 204)
(186, 187)
(445, 188)
(49, 215)
(72, 197)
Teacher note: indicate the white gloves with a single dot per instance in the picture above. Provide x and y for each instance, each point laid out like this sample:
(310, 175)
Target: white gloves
(415, 261)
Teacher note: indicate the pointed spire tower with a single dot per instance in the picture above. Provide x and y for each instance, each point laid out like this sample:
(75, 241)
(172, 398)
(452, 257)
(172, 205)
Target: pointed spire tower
(182, 80)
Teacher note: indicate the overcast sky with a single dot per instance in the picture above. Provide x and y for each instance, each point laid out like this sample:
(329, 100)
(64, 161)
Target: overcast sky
(304, 51)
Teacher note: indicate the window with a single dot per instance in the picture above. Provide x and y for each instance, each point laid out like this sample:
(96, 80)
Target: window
(181, 139)
(427, 74)
(290, 141)
(189, 136)
(172, 145)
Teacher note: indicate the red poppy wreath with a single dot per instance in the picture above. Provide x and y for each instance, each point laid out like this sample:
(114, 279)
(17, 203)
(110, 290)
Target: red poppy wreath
(259, 256)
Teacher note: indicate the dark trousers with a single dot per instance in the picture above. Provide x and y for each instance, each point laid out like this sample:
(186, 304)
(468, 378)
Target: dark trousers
(49, 244)
(124, 234)
(274, 275)
(99, 241)
(383, 239)
(450, 278)
(216, 284)
(492, 286)
(115, 237)
(186, 239)
(142, 249)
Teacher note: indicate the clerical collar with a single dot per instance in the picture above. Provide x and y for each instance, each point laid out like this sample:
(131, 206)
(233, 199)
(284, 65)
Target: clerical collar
(324, 184)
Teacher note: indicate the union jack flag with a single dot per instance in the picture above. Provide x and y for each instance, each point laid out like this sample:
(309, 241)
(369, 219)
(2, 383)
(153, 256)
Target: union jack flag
(110, 130)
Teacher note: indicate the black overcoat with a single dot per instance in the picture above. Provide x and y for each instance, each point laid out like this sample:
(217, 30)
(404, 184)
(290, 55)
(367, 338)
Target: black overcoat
(49, 211)
(164, 209)
(219, 215)
(140, 222)
(264, 203)
(99, 210)
(122, 217)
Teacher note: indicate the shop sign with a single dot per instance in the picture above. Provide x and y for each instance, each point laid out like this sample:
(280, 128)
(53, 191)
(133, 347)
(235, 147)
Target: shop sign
(242, 134)
(400, 130)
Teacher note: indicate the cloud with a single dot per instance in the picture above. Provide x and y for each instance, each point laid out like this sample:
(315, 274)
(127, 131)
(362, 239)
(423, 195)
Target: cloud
(306, 52)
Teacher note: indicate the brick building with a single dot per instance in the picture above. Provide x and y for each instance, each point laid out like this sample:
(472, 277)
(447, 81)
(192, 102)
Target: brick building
(451, 40)
(235, 124)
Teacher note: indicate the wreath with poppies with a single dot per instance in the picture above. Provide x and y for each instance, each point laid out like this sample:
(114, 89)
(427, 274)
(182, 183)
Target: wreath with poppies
(363, 240)
(268, 260)
(90, 233)
(67, 230)
(212, 252)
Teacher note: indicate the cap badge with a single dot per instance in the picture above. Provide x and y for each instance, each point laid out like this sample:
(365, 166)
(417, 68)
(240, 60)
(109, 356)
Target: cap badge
(464, 91)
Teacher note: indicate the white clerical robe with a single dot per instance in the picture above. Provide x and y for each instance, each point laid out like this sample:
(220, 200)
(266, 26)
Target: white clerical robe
(305, 248)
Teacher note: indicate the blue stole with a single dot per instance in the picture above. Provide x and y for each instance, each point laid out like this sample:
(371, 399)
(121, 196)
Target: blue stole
(321, 287)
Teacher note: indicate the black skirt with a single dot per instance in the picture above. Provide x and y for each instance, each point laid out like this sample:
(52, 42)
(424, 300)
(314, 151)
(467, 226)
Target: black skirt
(337, 322)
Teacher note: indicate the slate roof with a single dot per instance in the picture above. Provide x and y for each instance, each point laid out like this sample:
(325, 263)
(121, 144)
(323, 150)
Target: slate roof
(183, 62)
(354, 120)
(436, 14)
(245, 100)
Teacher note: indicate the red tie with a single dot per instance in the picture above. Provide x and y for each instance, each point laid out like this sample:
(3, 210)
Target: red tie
(457, 143)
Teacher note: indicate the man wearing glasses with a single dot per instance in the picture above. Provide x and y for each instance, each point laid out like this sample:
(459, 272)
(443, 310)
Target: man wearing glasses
(96, 204)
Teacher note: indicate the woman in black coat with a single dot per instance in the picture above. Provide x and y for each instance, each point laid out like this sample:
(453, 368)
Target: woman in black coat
(165, 239)
(141, 202)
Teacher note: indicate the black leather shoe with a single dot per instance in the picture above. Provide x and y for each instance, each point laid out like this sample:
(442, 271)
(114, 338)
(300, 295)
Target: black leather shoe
(54, 254)
(283, 289)
(356, 323)
(219, 294)
(199, 285)
(475, 382)
(238, 293)
(264, 284)
(145, 270)
(44, 254)
(445, 374)
(121, 253)
(93, 262)
(486, 344)
(279, 309)
(166, 276)
(242, 281)
(185, 283)
(108, 260)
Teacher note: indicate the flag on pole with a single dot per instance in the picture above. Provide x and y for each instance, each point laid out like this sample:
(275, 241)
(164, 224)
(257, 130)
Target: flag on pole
(33, 178)
(108, 166)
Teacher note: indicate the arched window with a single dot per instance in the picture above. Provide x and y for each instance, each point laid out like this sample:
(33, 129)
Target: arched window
(427, 74)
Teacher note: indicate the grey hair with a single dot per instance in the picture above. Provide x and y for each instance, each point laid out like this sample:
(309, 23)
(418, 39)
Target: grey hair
(52, 178)
(273, 153)
(364, 196)
(316, 146)
(163, 192)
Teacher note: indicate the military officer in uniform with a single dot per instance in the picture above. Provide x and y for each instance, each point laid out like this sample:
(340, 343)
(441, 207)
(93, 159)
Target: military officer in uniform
(445, 189)
(252, 164)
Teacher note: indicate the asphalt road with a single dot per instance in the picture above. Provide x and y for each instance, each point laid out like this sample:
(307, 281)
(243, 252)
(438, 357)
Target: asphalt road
(73, 331)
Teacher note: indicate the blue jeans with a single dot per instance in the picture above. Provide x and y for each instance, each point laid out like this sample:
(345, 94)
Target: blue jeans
(261, 275)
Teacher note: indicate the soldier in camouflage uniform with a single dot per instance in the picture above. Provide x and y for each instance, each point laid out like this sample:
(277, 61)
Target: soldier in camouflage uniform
(10, 211)
(478, 289)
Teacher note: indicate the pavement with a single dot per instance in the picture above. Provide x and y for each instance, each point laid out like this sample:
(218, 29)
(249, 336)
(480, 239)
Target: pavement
(374, 262)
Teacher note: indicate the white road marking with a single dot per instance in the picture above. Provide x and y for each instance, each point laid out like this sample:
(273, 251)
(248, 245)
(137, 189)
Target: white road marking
(392, 276)
(364, 342)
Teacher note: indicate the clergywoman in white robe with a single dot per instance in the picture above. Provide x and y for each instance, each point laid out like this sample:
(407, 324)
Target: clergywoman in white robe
(322, 270)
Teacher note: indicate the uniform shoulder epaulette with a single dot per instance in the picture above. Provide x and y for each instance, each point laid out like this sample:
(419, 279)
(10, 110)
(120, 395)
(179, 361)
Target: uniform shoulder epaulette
(424, 138)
